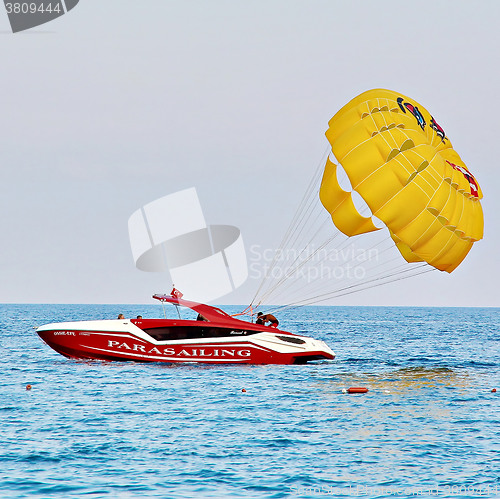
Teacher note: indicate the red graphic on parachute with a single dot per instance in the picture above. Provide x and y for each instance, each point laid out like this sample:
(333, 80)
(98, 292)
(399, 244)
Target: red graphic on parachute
(438, 129)
(413, 110)
(474, 189)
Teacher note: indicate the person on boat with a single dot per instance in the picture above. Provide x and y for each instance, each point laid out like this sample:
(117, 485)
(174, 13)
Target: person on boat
(262, 319)
(121, 316)
(139, 316)
(201, 318)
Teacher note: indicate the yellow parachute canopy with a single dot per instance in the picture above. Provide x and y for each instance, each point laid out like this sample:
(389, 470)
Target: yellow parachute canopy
(402, 164)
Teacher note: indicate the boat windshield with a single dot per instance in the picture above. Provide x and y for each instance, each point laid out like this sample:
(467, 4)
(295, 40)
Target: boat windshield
(191, 332)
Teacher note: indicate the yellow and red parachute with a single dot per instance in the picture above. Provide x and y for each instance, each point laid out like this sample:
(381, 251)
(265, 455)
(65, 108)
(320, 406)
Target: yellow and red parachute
(402, 164)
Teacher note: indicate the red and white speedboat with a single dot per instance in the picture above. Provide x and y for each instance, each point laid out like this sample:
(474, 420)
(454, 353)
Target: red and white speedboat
(218, 339)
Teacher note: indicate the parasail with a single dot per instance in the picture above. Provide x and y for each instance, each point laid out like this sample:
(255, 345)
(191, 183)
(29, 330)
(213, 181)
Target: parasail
(400, 161)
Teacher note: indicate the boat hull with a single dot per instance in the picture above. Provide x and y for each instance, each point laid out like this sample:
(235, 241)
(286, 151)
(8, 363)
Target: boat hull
(124, 341)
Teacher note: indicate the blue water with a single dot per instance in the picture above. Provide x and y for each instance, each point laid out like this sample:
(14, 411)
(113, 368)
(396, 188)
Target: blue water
(429, 424)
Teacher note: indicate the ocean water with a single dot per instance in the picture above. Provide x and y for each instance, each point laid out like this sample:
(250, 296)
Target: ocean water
(428, 427)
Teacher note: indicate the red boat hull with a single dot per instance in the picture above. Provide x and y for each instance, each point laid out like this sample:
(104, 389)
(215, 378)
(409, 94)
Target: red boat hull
(103, 346)
(219, 339)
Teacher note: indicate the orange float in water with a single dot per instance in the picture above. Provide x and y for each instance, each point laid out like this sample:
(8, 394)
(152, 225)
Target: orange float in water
(28, 387)
(494, 390)
(243, 390)
(357, 389)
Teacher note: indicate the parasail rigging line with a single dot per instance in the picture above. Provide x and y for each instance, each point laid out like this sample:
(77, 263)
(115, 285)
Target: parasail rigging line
(321, 284)
(306, 202)
(355, 288)
(301, 225)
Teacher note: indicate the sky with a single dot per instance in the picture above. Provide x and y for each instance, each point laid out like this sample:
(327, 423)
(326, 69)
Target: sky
(121, 102)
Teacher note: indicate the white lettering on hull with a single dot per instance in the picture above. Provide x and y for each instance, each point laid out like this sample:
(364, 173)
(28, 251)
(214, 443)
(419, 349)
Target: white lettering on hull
(184, 353)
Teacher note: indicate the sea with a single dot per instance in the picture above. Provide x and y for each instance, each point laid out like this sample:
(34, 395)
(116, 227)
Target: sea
(428, 427)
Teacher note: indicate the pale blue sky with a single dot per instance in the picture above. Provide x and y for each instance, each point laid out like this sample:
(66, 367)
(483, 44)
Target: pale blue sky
(121, 102)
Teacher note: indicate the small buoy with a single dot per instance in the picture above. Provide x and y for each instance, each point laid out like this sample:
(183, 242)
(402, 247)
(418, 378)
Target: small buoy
(387, 391)
(28, 387)
(243, 390)
(344, 390)
(357, 389)
(494, 390)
